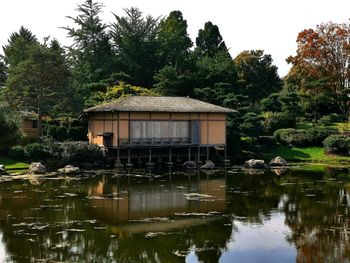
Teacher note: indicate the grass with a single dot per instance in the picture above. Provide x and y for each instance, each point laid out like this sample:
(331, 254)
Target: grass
(307, 154)
(11, 164)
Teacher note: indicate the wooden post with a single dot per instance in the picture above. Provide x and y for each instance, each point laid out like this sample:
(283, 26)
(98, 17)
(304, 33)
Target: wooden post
(199, 155)
(189, 153)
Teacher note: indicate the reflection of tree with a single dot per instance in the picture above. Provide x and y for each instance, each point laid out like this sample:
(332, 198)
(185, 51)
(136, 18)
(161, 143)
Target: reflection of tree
(317, 213)
(253, 196)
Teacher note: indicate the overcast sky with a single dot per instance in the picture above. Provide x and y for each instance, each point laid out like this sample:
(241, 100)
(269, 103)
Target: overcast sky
(271, 25)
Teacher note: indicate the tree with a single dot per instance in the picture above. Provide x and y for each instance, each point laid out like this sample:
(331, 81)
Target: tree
(135, 42)
(209, 41)
(252, 124)
(257, 76)
(39, 79)
(3, 72)
(170, 82)
(174, 41)
(120, 90)
(91, 53)
(324, 54)
(9, 127)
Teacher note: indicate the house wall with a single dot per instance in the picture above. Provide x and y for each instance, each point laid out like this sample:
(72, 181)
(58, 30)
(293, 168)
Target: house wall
(212, 125)
(28, 130)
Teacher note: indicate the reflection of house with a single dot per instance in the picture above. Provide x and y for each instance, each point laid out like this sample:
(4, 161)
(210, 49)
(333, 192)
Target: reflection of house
(139, 202)
(29, 125)
(142, 122)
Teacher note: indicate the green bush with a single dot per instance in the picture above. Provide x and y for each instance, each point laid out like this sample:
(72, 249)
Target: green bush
(35, 152)
(277, 120)
(81, 152)
(310, 137)
(331, 118)
(51, 130)
(17, 153)
(77, 134)
(337, 144)
(61, 133)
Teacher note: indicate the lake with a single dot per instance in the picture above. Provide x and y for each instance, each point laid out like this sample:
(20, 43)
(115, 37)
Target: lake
(298, 215)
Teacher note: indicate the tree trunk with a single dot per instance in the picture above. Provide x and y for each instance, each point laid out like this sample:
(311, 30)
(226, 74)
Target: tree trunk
(40, 123)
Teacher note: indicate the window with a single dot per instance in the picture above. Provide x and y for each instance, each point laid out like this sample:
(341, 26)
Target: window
(159, 129)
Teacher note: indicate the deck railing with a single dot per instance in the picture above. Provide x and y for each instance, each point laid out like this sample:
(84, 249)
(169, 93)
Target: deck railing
(155, 142)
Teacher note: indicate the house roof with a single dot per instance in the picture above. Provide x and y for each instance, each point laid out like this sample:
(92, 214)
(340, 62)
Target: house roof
(158, 104)
(28, 115)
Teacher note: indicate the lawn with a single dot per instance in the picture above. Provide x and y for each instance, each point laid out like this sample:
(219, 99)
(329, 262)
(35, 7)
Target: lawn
(307, 154)
(11, 164)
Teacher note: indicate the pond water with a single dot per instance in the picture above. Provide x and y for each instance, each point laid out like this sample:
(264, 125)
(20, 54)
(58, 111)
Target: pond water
(300, 215)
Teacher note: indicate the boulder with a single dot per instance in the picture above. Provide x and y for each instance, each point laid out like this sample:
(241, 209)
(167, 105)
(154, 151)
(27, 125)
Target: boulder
(189, 165)
(2, 170)
(278, 161)
(255, 164)
(208, 165)
(37, 168)
(69, 170)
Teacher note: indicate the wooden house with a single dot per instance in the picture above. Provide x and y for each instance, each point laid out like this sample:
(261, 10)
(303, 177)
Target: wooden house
(29, 125)
(150, 123)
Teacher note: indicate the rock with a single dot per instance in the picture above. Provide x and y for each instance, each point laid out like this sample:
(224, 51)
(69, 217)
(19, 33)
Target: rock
(255, 164)
(189, 165)
(37, 168)
(278, 161)
(208, 165)
(69, 169)
(2, 170)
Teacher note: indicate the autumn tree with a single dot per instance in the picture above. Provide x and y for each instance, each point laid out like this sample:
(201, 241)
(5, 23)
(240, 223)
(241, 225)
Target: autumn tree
(323, 57)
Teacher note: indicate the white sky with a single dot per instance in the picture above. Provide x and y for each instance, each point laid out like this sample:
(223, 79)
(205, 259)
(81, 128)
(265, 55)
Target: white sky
(271, 25)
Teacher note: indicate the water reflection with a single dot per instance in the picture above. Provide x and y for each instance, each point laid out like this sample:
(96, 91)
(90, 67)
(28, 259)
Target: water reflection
(301, 215)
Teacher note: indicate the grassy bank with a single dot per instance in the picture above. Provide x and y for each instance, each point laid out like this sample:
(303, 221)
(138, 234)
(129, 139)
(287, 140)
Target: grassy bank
(307, 154)
(11, 164)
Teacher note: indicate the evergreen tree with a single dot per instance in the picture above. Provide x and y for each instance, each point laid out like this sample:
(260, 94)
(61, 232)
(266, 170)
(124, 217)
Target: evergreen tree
(135, 42)
(91, 54)
(37, 78)
(257, 76)
(174, 41)
(209, 41)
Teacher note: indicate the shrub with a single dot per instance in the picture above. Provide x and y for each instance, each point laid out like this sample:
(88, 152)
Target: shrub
(77, 134)
(81, 152)
(277, 120)
(51, 130)
(61, 133)
(332, 118)
(35, 152)
(337, 144)
(17, 153)
(310, 137)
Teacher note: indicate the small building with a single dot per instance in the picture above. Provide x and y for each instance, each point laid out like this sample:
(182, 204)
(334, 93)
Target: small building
(29, 125)
(166, 125)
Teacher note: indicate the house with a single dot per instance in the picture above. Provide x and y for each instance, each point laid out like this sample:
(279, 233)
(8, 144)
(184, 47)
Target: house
(29, 125)
(137, 125)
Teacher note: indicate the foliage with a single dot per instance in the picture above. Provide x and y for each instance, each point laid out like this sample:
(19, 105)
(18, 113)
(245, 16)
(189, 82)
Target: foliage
(331, 118)
(17, 152)
(252, 124)
(257, 76)
(135, 41)
(175, 41)
(81, 152)
(277, 120)
(209, 41)
(337, 144)
(9, 127)
(35, 152)
(310, 137)
(91, 52)
(322, 59)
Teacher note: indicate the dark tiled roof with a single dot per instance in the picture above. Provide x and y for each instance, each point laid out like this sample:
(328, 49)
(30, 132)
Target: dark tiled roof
(158, 104)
